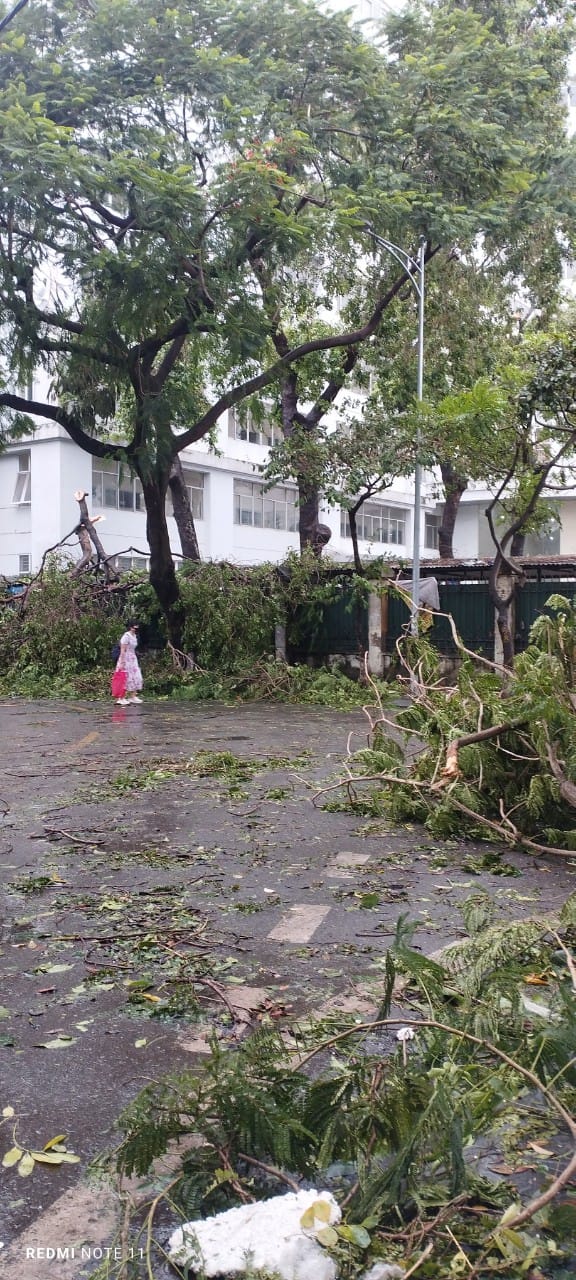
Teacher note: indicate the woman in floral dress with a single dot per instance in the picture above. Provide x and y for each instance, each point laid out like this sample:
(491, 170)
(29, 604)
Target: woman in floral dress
(128, 662)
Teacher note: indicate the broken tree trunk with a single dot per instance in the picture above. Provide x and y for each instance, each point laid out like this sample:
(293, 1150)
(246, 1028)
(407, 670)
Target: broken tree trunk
(87, 535)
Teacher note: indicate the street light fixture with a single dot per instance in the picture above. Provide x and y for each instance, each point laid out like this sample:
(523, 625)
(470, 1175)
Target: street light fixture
(415, 269)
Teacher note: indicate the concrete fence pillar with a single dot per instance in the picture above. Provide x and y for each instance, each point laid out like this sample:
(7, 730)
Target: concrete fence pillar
(375, 652)
(280, 651)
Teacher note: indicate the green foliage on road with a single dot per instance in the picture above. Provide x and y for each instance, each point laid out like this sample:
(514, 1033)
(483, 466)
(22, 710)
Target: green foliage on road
(418, 1136)
(494, 756)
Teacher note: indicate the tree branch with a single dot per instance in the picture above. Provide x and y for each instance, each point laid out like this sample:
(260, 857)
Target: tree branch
(168, 361)
(98, 448)
(332, 389)
(10, 16)
(261, 380)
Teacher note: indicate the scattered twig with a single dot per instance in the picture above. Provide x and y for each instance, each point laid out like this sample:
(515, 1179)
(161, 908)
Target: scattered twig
(150, 1222)
(120, 937)
(218, 991)
(423, 1256)
(58, 831)
(269, 1169)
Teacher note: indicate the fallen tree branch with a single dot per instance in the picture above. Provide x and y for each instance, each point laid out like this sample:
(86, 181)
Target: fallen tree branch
(88, 526)
(451, 768)
(269, 1169)
(563, 1178)
(514, 836)
(566, 787)
(367, 1028)
(370, 777)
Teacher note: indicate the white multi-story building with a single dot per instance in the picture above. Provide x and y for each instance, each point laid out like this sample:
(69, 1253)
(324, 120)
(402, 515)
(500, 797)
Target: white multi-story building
(237, 517)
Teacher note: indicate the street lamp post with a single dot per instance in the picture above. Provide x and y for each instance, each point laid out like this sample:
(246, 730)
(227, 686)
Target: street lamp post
(415, 270)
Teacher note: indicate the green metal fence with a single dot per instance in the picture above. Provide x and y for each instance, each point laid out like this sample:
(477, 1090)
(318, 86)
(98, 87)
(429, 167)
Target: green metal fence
(339, 627)
(342, 626)
(531, 602)
(471, 610)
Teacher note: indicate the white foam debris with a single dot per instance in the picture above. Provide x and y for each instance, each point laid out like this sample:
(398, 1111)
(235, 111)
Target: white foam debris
(267, 1235)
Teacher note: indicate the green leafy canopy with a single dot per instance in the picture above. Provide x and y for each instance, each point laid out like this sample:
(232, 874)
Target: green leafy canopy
(187, 190)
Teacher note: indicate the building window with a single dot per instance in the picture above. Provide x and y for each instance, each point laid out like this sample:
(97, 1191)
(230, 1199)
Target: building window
(23, 488)
(125, 564)
(113, 486)
(194, 481)
(430, 531)
(243, 427)
(544, 543)
(377, 523)
(23, 564)
(265, 508)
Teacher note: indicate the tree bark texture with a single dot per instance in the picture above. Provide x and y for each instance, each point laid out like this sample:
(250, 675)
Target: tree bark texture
(183, 512)
(308, 515)
(518, 544)
(454, 486)
(502, 590)
(359, 567)
(162, 571)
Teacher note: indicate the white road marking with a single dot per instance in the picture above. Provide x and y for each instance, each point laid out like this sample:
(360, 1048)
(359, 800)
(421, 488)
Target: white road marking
(300, 924)
(82, 1226)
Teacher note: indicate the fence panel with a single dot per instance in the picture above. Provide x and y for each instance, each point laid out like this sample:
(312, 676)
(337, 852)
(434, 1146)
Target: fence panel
(531, 601)
(340, 627)
(470, 607)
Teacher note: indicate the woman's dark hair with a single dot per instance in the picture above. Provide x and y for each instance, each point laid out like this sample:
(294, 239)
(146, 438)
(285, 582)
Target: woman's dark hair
(132, 624)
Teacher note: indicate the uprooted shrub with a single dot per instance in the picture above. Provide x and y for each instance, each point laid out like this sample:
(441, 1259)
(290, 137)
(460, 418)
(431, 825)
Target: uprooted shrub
(495, 755)
(61, 625)
(57, 637)
(393, 1116)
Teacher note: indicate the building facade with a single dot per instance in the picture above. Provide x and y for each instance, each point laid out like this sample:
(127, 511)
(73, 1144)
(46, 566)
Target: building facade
(237, 517)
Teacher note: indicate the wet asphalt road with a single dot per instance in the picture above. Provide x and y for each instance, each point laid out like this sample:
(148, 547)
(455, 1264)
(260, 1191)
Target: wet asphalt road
(284, 905)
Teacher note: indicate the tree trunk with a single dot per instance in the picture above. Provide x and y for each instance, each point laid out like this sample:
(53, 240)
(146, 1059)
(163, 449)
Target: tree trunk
(359, 567)
(162, 571)
(312, 533)
(506, 631)
(454, 486)
(183, 512)
(518, 544)
(502, 591)
(308, 515)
